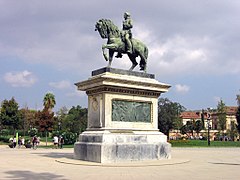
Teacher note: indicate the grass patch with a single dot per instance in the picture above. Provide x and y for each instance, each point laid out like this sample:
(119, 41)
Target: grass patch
(204, 143)
(3, 143)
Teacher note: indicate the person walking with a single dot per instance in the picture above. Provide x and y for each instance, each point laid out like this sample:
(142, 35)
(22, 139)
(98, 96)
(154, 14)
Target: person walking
(14, 142)
(61, 142)
(55, 142)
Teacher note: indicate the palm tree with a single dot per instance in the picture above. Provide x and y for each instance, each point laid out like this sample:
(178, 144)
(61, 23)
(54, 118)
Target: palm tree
(49, 102)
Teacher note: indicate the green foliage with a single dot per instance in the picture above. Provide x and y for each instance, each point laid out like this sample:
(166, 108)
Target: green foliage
(75, 121)
(191, 126)
(238, 119)
(10, 115)
(184, 129)
(221, 115)
(29, 119)
(5, 132)
(32, 132)
(238, 113)
(232, 132)
(198, 126)
(5, 139)
(168, 114)
(49, 101)
(69, 137)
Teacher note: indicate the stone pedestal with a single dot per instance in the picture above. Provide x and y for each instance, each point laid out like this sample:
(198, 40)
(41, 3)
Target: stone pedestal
(122, 118)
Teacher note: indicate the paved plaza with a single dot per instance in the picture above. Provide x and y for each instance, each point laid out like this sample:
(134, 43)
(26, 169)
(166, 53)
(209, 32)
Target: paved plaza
(57, 164)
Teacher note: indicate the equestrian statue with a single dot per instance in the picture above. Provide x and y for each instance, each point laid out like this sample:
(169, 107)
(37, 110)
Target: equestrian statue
(121, 41)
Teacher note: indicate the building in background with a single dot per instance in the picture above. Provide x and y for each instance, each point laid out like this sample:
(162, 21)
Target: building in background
(212, 117)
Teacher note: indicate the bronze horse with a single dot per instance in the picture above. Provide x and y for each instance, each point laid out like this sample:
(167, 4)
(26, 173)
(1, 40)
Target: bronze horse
(115, 43)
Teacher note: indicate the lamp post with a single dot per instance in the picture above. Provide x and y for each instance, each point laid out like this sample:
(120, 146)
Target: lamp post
(208, 122)
(209, 125)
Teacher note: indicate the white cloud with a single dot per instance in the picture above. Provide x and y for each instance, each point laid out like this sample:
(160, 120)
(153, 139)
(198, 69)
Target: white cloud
(61, 84)
(180, 55)
(20, 79)
(76, 93)
(182, 88)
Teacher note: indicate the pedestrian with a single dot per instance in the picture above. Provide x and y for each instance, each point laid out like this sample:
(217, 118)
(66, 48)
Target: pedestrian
(14, 142)
(55, 141)
(11, 142)
(19, 142)
(61, 142)
(23, 141)
(34, 142)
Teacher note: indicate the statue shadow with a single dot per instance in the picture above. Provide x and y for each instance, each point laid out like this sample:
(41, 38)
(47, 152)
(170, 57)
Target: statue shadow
(29, 175)
(55, 155)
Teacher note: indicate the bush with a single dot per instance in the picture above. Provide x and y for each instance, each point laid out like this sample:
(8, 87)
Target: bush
(5, 132)
(55, 133)
(69, 137)
(32, 132)
(21, 132)
(5, 139)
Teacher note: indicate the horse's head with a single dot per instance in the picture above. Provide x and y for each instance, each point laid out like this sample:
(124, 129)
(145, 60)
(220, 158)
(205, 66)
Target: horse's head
(106, 28)
(99, 27)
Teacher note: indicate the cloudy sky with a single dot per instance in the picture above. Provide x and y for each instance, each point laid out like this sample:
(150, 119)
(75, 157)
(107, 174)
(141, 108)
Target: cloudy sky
(47, 46)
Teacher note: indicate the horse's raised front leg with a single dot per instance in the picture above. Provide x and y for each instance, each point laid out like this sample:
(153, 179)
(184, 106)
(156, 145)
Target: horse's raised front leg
(104, 46)
(108, 57)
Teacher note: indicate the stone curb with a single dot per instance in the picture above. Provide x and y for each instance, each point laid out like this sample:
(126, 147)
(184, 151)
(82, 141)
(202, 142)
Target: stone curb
(128, 164)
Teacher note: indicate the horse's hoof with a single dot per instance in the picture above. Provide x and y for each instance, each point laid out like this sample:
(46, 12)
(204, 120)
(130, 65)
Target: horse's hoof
(118, 56)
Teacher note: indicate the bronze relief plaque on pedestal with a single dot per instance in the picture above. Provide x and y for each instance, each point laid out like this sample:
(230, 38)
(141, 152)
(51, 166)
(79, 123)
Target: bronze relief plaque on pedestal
(131, 111)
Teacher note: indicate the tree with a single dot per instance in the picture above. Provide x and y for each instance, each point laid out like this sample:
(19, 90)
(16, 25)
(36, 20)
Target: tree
(10, 115)
(29, 119)
(184, 129)
(192, 126)
(76, 120)
(221, 113)
(61, 115)
(198, 126)
(49, 101)
(168, 114)
(238, 113)
(232, 132)
(45, 121)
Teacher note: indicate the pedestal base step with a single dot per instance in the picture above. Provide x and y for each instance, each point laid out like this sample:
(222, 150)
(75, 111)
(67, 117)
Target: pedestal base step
(109, 148)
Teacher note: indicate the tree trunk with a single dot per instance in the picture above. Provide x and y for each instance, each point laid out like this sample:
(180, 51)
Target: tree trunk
(46, 138)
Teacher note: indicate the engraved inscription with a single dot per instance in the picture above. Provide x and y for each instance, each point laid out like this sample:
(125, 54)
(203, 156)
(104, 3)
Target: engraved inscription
(131, 111)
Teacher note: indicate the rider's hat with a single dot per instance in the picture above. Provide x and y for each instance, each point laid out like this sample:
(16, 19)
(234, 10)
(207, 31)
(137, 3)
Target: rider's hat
(127, 14)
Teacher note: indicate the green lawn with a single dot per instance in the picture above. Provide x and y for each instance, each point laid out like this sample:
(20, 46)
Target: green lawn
(203, 143)
(175, 143)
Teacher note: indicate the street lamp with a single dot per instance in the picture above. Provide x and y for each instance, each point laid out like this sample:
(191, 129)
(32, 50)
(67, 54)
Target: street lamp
(209, 125)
